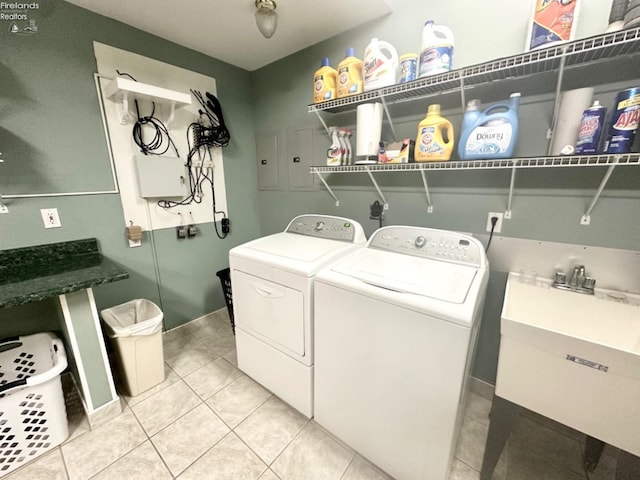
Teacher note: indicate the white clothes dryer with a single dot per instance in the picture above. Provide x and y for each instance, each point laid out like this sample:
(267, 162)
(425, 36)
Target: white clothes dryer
(396, 325)
(272, 280)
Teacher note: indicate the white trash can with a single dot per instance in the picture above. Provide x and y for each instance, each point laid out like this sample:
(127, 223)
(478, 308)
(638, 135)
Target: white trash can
(135, 331)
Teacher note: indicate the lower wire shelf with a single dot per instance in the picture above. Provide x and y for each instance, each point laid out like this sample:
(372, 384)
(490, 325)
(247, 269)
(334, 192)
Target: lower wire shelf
(514, 164)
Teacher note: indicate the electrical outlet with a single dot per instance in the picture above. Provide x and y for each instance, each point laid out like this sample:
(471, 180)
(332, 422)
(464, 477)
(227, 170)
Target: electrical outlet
(225, 222)
(192, 230)
(50, 217)
(498, 227)
(181, 232)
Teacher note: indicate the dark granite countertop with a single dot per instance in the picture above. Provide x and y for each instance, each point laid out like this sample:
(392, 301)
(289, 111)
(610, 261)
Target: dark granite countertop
(31, 274)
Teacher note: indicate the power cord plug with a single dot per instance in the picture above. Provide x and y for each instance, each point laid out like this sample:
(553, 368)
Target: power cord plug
(494, 221)
(376, 210)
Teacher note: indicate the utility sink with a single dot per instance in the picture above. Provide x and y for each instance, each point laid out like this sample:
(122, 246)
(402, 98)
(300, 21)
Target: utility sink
(573, 357)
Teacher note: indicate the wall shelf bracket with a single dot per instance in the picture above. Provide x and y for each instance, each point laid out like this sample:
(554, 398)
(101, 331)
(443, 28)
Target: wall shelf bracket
(556, 102)
(426, 191)
(375, 184)
(124, 114)
(172, 115)
(586, 218)
(507, 213)
(326, 185)
(386, 112)
(324, 124)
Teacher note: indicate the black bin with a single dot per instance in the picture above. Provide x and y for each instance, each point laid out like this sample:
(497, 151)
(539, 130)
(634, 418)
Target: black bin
(225, 279)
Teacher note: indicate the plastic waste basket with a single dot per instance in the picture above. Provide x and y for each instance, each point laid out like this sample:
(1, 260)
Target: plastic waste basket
(32, 409)
(225, 279)
(135, 331)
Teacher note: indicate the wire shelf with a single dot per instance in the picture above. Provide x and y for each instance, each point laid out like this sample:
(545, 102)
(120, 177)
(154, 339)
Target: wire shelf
(610, 46)
(631, 159)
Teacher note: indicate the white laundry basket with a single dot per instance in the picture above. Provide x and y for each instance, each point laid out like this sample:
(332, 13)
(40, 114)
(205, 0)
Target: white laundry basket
(135, 331)
(33, 418)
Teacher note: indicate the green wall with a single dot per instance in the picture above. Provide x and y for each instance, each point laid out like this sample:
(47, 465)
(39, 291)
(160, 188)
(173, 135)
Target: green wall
(52, 140)
(50, 126)
(547, 204)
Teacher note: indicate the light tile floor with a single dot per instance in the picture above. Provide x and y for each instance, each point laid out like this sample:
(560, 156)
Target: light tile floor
(208, 420)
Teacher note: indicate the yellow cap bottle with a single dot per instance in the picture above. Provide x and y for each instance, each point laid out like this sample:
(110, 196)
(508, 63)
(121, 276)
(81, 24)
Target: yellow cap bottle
(350, 75)
(435, 137)
(325, 82)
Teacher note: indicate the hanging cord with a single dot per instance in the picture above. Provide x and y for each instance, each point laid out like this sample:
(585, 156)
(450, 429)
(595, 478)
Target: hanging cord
(224, 234)
(160, 133)
(214, 134)
(196, 174)
(494, 220)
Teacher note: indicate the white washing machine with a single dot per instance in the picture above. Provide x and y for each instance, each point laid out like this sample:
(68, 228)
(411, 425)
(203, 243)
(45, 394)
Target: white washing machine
(396, 324)
(272, 280)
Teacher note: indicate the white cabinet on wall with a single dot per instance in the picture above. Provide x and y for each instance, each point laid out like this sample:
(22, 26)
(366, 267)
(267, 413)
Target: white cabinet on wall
(597, 60)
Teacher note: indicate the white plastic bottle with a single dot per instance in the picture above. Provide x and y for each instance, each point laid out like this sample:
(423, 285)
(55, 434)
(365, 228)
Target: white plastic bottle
(436, 53)
(380, 65)
(343, 146)
(347, 142)
(334, 152)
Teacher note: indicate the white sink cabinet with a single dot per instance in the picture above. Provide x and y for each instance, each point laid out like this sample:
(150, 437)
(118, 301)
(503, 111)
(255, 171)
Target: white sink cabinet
(574, 358)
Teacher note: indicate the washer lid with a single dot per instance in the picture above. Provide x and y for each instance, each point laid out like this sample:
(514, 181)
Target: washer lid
(426, 277)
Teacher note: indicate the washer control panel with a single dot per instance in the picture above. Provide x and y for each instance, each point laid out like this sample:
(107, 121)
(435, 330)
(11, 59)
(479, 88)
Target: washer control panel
(329, 227)
(429, 243)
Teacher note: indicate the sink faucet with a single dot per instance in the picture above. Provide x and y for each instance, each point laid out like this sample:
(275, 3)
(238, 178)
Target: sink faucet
(579, 281)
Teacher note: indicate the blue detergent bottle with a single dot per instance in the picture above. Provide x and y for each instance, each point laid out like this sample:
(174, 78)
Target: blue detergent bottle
(490, 133)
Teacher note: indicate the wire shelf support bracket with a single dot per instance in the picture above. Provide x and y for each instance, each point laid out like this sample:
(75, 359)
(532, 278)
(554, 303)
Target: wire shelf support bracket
(586, 218)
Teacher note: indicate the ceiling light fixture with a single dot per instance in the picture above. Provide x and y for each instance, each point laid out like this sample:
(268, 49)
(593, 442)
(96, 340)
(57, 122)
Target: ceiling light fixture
(266, 17)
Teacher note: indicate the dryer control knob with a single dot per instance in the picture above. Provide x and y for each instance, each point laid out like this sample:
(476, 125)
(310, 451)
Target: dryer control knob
(319, 226)
(420, 241)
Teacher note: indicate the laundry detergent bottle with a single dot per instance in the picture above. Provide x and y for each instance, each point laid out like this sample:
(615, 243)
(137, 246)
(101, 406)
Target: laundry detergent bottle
(492, 132)
(380, 65)
(470, 118)
(325, 82)
(436, 52)
(350, 75)
(435, 137)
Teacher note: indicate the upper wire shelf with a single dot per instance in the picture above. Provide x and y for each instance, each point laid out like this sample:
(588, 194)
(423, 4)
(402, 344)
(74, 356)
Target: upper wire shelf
(528, 162)
(577, 53)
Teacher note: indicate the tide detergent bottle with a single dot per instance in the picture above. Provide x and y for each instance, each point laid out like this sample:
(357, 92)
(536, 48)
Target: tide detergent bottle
(435, 137)
(350, 75)
(490, 133)
(380, 65)
(325, 82)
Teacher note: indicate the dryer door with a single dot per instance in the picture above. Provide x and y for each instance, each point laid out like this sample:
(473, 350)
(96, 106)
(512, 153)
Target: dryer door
(270, 311)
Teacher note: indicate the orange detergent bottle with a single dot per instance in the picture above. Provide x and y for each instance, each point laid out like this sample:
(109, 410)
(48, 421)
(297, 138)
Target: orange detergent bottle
(435, 137)
(324, 82)
(350, 75)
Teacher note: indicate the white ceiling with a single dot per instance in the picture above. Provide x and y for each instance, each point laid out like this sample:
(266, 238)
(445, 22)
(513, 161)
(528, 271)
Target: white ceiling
(226, 29)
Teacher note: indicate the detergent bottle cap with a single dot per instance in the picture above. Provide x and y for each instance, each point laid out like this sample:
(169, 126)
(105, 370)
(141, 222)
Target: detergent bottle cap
(473, 104)
(434, 109)
(596, 103)
(429, 22)
(515, 94)
(351, 52)
(325, 62)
